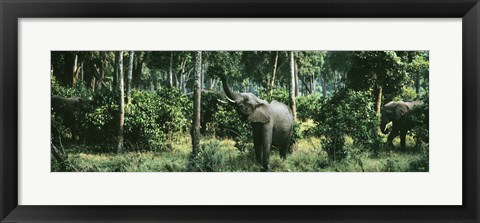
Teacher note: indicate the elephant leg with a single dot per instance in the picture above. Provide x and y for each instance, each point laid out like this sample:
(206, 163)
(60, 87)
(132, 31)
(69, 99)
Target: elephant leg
(391, 136)
(284, 149)
(403, 136)
(258, 152)
(257, 145)
(266, 156)
(267, 143)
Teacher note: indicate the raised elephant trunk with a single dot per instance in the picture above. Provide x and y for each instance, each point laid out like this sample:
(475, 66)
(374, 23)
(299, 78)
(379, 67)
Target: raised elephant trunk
(233, 97)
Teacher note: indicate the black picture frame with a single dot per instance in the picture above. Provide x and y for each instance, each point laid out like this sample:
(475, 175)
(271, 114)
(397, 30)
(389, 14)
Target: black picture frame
(11, 11)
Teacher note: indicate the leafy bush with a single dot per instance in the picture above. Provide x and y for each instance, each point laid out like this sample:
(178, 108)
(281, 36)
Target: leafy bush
(99, 119)
(141, 126)
(153, 118)
(222, 120)
(408, 93)
(308, 106)
(421, 121)
(349, 113)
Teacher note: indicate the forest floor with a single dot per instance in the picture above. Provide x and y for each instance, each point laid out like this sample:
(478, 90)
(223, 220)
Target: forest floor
(221, 155)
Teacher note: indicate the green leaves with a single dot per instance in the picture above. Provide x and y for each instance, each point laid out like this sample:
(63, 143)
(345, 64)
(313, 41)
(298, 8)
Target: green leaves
(347, 113)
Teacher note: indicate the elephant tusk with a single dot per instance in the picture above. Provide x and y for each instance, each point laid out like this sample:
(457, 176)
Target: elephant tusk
(230, 100)
(221, 101)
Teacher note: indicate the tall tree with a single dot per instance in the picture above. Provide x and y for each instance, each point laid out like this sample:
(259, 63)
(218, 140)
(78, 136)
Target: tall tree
(292, 85)
(121, 102)
(196, 104)
(275, 65)
(137, 69)
(308, 64)
(116, 71)
(384, 72)
(170, 71)
(297, 89)
(130, 73)
(69, 68)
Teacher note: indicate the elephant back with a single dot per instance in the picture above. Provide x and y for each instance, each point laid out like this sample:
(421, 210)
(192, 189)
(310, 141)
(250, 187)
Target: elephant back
(414, 104)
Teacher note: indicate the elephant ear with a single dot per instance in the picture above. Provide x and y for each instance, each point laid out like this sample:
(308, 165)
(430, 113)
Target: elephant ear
(400, 110)
(260, 114)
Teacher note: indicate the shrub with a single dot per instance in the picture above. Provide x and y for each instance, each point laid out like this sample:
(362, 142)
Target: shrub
(308, 106)
(141, 126)
(153, 118)
(222, 120)
(99, 119)
(349, 113)
(421, 121)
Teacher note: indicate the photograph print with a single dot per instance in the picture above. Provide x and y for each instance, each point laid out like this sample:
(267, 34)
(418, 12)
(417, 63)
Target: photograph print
(239, 111)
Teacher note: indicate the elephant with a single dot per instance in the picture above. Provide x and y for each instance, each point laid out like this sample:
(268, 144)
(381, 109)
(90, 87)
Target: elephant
(272, 123)
(67, 109)
(398, 112)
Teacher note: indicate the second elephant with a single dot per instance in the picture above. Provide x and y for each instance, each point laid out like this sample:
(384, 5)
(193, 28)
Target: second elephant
(400, 114)
(272, 123)
(67, 109)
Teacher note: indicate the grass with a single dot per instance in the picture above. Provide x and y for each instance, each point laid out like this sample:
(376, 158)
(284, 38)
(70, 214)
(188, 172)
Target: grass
(221, 155)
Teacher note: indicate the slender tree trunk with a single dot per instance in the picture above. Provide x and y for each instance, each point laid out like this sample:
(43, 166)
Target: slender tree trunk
(81, 72)
(182, 75)
(67, 77)
(116, 71)
(417, 83)
(121, 101)
(324, 84)
(100, 67)
(378, 101)
(92, 83)
(130, 74)
(75, 70)
(182, 81)
(314, 87)
(137, 69)
(202, 78)
(292, 86)
(170, 71)
(296, 80)
(275, 64)
(334, 81)
(196, 104)
(306, 89)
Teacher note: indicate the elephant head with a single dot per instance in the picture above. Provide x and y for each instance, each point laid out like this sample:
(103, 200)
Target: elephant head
(248, 104)
(392, 111)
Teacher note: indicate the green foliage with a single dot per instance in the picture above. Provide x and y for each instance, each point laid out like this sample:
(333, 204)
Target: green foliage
(308, 106)
(221, 155)
(221, 119)
(296, 135)
(421, 164)
(279, 94)
(218, 156)
(407, 94)
(99, 120)
(342, 127)
(421, 121)
(347, 113)
(152, 118)
(141, 126)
